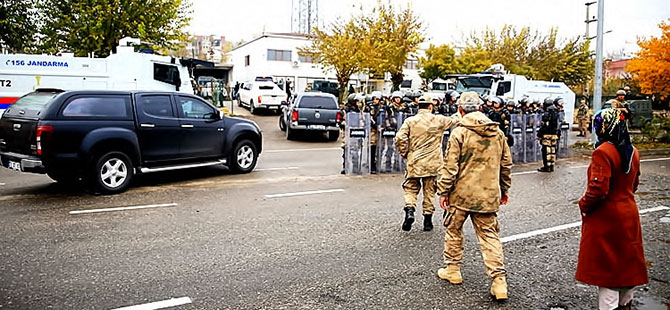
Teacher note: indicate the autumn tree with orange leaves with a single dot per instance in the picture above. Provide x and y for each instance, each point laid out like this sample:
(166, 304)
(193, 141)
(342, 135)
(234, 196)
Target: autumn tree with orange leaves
(651, 66)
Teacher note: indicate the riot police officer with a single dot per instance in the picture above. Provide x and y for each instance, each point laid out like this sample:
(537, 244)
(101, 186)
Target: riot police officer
(501, 116)
(548, 135)
(374, 108)
(511, 107)
(451, 97)
(355, 104)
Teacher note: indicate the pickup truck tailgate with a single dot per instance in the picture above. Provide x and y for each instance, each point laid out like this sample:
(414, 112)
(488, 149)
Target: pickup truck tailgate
(17, 135)
(317, 117)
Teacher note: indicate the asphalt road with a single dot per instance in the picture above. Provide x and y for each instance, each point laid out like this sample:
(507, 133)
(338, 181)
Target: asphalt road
(226, 241)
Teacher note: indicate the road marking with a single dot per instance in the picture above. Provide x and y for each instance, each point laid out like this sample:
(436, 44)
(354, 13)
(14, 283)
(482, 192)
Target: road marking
(172, 302)
(2, 184)
(276, 169)
(578, 167)
(304, 193)
(563, 227)
(654, 159)
(524, 172)
(304, 150)
(124, 208)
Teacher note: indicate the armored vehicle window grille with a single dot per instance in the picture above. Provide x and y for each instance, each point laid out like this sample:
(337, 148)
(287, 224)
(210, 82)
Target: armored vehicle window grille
(166, 73)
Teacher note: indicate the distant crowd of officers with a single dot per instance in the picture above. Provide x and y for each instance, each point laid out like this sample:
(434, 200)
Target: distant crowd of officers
(386, 108)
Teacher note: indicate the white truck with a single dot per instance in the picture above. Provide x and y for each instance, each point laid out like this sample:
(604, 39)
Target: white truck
(514, 87)
(126, 70)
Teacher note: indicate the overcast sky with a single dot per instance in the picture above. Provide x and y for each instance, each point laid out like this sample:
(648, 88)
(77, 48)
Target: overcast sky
(447, 21)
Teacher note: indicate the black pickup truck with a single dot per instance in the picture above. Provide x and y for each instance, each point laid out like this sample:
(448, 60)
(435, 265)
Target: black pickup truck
(311, 112)
(104, 138)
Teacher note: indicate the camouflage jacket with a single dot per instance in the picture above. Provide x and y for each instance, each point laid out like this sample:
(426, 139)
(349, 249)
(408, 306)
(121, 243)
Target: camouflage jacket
(419, 140)
(477, 167)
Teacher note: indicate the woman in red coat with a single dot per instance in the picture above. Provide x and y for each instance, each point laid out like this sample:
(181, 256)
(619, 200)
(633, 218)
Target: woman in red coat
(610, 252)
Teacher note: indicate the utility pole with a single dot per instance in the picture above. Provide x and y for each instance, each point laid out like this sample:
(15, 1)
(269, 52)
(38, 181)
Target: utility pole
(598, 84)
(588, 19)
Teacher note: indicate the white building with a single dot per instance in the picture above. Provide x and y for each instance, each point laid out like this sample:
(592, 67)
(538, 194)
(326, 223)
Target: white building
(276, 55)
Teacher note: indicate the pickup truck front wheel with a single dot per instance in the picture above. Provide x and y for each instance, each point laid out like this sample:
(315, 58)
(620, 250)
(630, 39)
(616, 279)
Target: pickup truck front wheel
(244, 156)
(113, 172)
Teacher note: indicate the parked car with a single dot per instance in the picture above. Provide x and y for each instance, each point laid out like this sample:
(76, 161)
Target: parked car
(311, 112)
(106, 137)
(261, 95)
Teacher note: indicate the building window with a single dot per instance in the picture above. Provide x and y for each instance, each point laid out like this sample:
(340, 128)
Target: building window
(279, 55)
(246, 60)
(307, 59)
(411, 64)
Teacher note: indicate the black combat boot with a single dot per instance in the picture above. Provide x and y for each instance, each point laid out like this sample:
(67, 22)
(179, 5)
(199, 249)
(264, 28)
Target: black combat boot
(409, 218)
(427, 222)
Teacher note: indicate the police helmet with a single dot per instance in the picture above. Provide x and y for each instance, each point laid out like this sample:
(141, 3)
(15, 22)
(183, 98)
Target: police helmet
(351, 98)
(396, 94)
(376, 94)
(452, 94)
(559, 101)
(510, 103)
(495, 100)
(548, 102)
(359, 98)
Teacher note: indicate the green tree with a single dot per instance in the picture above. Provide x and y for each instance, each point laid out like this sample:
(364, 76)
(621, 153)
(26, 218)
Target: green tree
(85, 26)
(391, 36)
(338, 47)
(438, 62)
(17, 25)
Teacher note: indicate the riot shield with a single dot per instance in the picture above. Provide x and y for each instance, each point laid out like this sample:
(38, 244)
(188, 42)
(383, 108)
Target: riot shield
(536, 129)
(517, 130)
(388, 159)
(357, 149)
(530, 151)
(562, 146)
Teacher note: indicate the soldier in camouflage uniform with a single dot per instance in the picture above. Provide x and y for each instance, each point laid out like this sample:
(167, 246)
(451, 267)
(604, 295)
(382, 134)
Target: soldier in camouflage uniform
(419, 141)
(583, 118)
(548, 135)
(474, 181)
(374, 108)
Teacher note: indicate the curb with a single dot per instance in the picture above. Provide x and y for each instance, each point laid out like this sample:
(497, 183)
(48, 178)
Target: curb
(651, 152)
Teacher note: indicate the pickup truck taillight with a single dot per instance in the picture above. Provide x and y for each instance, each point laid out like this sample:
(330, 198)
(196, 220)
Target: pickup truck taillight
(259, 99)
(294, 116)
(337, 118)
(42, 137)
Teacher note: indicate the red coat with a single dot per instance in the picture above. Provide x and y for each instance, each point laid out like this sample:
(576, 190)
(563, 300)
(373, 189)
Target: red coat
(610, 251)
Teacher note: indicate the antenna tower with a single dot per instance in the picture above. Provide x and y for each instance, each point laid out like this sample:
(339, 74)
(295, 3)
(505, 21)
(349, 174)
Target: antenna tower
(304, 16)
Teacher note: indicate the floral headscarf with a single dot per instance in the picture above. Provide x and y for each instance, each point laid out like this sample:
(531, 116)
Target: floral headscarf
(610, 126)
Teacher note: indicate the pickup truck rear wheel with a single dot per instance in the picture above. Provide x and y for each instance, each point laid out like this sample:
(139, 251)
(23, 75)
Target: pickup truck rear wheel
(333, 135)
(282, 124)
(244, 156)
(113, 172)
(290, 133)
(252, 110)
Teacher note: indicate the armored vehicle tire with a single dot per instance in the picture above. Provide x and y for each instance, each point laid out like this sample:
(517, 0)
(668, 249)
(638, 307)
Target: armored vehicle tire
(243, 158)
(112, 173)
(282, 124)
(333, 135)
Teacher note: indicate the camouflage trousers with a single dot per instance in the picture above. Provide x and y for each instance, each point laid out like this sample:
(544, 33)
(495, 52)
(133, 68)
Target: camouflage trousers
(549, 143)
(488, 233)
(583, 126)
(412, 187)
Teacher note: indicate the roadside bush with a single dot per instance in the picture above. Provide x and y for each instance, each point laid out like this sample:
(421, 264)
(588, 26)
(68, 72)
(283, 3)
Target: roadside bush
(655, 130)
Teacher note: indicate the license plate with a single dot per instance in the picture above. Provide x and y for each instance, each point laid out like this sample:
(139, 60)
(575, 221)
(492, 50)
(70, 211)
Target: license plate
(317, 127)
(14, 165)
(273, 107)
